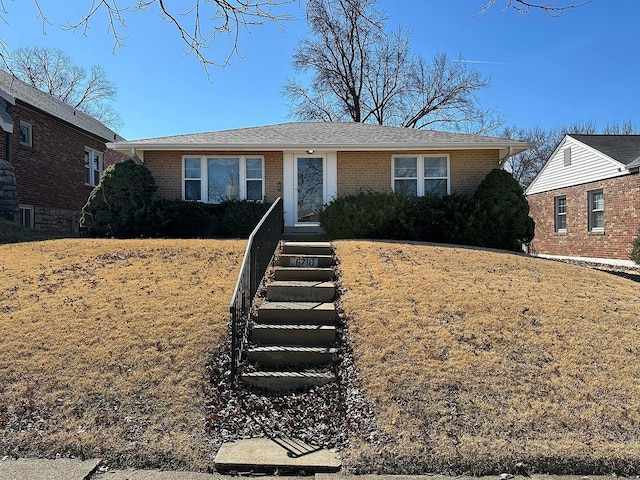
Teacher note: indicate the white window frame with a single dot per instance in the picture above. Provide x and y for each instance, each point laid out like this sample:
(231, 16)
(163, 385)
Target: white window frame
(592, 211)
(204, 175)
(557, 214)
(420, 178)
(28, 128)
(93, 181)
(23, 210)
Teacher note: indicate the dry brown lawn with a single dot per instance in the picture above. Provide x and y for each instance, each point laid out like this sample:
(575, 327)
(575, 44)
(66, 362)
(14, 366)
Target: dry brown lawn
(475, 360)
(104, 346)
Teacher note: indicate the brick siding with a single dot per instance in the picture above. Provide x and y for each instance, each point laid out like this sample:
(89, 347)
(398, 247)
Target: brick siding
(372, 170)
(50, 174)
(621, 220)
(166, 168)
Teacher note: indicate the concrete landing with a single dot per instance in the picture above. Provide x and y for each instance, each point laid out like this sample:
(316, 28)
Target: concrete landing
(283, 454)
(43, 469)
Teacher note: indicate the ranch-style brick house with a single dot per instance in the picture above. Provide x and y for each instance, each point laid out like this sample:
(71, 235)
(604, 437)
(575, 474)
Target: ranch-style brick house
(309, 164)
(57, 154)
(586, 199)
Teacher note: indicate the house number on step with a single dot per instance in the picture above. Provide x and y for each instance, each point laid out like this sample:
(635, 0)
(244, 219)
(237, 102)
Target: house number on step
(303, 262)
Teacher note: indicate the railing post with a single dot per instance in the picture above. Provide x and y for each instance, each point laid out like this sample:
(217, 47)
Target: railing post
(261, 243)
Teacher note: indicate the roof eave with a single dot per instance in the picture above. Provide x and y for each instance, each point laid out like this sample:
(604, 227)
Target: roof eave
(517, 147)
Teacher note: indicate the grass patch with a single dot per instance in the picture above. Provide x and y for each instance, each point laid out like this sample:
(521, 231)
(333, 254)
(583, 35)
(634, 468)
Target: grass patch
(104, 347)
(475, 360)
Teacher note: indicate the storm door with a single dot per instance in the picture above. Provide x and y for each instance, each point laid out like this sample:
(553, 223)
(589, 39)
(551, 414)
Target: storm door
(310, 191)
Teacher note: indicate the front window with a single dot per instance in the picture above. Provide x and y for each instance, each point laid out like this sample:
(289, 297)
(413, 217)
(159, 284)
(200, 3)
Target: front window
(93, 166)
(216, 179)
(405, 173)
(192, 179)
(596, 210)
(561, 214)
(436, 176)
(421, 175)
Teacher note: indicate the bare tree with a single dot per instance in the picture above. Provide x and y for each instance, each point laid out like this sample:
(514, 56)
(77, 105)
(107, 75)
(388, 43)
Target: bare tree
(551, 7)
(524, 166)
(362, 73)
(197, 24)
(54, 72)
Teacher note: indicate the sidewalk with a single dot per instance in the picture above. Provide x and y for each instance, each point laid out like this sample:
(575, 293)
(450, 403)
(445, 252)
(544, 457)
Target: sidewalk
(69, 469)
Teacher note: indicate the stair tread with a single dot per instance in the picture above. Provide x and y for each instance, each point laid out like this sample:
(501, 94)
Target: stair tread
(301, 283)
(307, 244)
(269, 305)
(288, 374)
(292, 326)
(292, 348)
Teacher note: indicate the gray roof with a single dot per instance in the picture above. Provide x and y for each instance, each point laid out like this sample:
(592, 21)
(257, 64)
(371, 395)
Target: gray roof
(321, 135)
(43, 101)
(622, 148)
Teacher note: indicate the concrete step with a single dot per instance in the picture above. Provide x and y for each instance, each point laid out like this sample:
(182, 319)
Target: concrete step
(297, 273)
(307, 335)
(297, 313)
(304, 261)
(275, 455)
(292, 355)
(299, 291)
(286, 381)
(307, 248)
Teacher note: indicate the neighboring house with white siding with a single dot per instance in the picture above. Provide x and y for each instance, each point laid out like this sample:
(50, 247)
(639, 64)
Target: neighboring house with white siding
(586, 199)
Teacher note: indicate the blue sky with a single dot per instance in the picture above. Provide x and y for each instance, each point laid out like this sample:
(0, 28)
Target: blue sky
(546, 71)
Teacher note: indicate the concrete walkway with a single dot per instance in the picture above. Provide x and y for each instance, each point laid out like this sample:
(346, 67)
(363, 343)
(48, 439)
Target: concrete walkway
(69, 469)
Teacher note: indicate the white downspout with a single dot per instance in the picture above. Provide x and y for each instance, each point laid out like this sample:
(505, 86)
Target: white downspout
(504, 159)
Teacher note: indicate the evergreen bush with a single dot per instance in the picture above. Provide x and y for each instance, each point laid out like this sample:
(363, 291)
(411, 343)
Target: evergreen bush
(367, 215)
(184, 219)
(500, 218)
(240, 217)
(121, 205)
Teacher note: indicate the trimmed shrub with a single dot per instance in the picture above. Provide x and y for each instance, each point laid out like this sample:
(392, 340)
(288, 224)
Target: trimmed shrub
(183, 219)
(425, 217)
(121, 205)
(368, 215)
(456, 211)
(240, 217)
(635, 250)
(500, 218)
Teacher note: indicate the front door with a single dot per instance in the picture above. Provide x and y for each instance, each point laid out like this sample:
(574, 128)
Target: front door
(310, 189)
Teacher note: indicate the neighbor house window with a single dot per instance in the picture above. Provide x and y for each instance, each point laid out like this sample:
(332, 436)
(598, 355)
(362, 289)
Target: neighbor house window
(561, 214)
(93, 166)
(216, 179)
(596, 210)
(26, 216)
(421, 175)
(26, 134)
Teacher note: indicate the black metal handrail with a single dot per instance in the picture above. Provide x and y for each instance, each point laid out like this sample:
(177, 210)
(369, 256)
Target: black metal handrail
(261, 246)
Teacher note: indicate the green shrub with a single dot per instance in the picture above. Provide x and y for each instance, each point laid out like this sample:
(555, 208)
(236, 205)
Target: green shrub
(183, 219)
(425, 217)
(500, 218)
(456, 211)
(121, 205)
(240, 217)
(367, 215)
(635, 250)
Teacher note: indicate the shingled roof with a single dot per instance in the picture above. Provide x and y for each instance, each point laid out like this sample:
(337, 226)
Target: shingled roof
(622, 148)
(31, 96)
(322, 135)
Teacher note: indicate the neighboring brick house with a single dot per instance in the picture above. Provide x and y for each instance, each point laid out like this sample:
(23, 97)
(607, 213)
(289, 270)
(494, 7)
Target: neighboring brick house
(57, 153)
(586, 199)
(309, 164)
